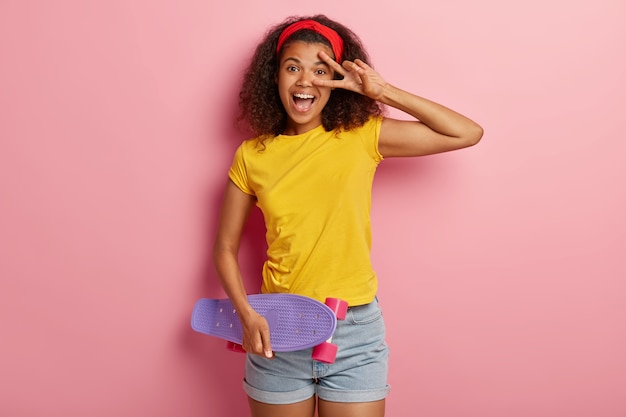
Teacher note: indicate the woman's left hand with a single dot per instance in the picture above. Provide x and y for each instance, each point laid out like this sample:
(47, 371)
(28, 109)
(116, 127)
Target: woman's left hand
(357, 76)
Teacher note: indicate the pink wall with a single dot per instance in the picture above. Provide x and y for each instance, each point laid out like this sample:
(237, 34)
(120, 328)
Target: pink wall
(502, 266)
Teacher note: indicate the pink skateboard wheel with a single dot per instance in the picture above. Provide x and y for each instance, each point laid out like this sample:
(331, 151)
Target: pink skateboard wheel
(339, 307)
(235, 347)
(325, 352)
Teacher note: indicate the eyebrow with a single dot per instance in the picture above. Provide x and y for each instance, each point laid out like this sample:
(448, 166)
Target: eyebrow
(297, 61)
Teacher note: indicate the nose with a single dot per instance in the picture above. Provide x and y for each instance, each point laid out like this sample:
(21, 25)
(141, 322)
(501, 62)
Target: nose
(305, 79)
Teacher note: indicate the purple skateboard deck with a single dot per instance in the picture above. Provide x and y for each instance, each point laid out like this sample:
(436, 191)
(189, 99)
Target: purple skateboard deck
(296, 322)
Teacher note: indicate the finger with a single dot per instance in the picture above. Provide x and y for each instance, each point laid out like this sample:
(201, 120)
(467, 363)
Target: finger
(361, 64)
(331, 62)
(328, 83)
(357, 73)
(253, 343)
(266, 344)
(357, 66)
(350, 66)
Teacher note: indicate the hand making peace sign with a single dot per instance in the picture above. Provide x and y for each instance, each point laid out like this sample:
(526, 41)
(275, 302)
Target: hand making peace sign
(357, 76)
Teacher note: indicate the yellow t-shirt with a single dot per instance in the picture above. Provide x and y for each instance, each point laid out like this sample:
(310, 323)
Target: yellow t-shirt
(314, 190)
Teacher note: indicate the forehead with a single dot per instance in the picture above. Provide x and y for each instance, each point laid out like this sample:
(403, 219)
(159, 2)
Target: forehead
(302, 50)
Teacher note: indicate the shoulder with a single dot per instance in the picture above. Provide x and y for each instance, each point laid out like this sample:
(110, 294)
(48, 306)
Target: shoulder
(371, 127)
(254, 144)
(367, 135)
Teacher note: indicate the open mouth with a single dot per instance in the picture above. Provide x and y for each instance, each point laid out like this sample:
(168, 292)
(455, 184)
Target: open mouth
(303, 102)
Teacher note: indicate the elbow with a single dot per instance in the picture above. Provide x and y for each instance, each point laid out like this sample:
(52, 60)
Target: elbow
(221, 260)
(474, 135)
(219, 252)
(224, 253)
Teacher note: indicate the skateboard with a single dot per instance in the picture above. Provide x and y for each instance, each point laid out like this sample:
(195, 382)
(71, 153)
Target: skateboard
(296, 322)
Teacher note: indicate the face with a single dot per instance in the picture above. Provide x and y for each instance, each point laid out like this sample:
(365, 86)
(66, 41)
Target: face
(300, 64)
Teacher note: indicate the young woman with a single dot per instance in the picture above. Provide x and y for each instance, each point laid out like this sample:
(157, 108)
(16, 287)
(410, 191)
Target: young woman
(316, 108)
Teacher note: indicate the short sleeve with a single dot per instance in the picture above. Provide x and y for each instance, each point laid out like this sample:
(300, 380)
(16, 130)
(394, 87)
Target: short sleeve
(370, 132)
(238, 172)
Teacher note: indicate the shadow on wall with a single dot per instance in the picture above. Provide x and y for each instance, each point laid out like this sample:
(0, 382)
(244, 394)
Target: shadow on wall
(213, 366)
(225, 135)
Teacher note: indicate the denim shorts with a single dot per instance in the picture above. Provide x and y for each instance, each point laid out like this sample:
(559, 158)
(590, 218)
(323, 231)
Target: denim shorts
(359, 373)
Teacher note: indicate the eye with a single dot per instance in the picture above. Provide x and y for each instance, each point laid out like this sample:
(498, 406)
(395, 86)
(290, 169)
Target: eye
(292, 68)
(320, 72)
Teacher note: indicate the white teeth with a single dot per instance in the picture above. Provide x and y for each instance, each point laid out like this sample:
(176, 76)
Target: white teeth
(304, 96)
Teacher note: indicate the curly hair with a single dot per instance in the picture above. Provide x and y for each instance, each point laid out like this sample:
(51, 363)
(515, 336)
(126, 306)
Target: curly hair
(259, 103)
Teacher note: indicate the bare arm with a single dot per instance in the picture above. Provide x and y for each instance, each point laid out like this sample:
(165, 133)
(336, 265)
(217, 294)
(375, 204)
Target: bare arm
(236, 208)
(436, 128)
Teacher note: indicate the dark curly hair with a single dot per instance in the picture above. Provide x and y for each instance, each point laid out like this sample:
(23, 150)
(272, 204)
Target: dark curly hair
(259, 103)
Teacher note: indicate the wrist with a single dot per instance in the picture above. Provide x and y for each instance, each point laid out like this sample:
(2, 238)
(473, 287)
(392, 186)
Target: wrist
(245, 312)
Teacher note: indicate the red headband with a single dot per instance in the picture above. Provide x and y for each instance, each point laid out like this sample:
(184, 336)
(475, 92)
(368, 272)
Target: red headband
(333, 37)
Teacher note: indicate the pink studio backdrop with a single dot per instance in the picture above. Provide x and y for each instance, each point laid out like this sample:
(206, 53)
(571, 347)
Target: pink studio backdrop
(501, 267)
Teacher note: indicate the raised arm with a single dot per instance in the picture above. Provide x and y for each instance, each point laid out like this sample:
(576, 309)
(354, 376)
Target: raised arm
(236, 208)
(435, 129)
